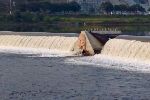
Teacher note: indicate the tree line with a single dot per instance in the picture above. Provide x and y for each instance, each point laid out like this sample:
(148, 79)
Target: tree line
(65, 8)
(49, 7)
(108, 8)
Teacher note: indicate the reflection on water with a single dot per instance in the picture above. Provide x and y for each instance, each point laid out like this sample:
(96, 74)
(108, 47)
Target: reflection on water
(76, 27)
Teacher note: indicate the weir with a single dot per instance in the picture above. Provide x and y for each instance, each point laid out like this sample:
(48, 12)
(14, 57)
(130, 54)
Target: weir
(83, 43)
(61, 43)
(131, 47)
(86, 43)
(104, 36)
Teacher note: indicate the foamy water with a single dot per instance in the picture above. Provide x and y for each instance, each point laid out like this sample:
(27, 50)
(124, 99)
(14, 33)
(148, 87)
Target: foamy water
(119, 63)
(130, 49)
(60, 43)
(116, 53)
(35, 52)
(43, 46)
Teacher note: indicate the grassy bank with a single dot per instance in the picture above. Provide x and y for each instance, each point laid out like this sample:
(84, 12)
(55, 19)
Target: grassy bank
(38, 18)
(53, 23)
(102, 19)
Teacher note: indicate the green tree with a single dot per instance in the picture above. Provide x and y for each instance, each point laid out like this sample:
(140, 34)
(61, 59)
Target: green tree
(121, 8)
(106, 7)
(48, 7)
(3, 7)
(149, 9)
(74, 6)
(135, 8)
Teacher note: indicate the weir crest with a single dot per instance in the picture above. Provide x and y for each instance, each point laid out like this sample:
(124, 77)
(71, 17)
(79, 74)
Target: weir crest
(61, 43)
(132, 49)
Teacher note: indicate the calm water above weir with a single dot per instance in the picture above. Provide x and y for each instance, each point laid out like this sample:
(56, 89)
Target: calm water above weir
(76, 27)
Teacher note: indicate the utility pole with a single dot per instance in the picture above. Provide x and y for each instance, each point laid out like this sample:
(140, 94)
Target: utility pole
(10, 7)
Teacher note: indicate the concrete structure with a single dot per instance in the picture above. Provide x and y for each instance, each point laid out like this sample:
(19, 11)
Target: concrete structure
(129, 47)
(85, 43)
(88, 44)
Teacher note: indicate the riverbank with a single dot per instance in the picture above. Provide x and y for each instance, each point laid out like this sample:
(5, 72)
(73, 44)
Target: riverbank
(34, 18)
(51, 23)
(102, 19)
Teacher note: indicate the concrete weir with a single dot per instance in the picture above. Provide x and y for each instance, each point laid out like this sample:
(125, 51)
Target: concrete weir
(117, 45)
(130, 47)
(88, 44)
(84, 42)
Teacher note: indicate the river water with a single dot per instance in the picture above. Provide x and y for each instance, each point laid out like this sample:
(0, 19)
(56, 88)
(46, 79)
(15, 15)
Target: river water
(36, 77)
(76, 28)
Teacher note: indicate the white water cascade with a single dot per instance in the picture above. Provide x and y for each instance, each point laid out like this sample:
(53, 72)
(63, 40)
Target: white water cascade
(132, 49)
(59, 43)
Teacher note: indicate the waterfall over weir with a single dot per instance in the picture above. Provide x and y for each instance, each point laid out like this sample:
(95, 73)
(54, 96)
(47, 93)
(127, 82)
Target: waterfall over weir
(60, 43)
(128, 47)
(131, 47)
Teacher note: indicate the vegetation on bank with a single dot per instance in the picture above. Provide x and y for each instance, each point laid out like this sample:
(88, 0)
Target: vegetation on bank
(42, 15)
(72, 23)
(29, 17)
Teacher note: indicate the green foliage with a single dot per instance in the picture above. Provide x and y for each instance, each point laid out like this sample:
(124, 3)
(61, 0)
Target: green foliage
(47, 19)
(120, 8)
(48, 7)
(106, 7)
(136, 8)
(3, 7)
